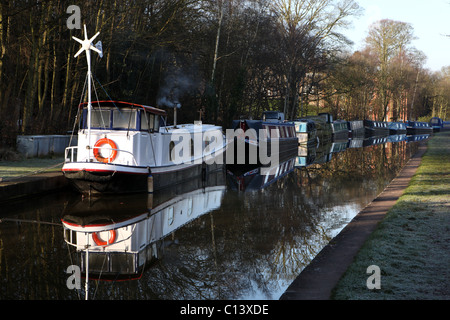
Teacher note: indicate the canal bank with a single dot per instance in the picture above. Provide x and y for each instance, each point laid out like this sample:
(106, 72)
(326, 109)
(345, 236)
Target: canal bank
(32, 185)
(20, 179)
(339, 271)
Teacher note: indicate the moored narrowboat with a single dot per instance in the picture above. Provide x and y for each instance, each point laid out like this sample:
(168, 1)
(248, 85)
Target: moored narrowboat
(340, 130)
(306, 131)
(397, 127)
(262, 141)
(323, 125)
(418, 127)
(437, 124)
(376, 128)
(356, 128)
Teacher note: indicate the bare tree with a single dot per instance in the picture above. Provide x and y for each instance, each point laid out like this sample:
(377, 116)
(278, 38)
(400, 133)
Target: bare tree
(388, 39)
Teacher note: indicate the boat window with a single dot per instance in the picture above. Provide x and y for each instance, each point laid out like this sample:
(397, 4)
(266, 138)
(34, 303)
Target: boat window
(192, 147)
(171, 151)
(124, 119)
(271, 115)
(147, 121)
(156, 123)
(100, 118)
(274, 132)
(190, 207)
(170, 216)
(267, 131)
(207, 143)
(282, 132)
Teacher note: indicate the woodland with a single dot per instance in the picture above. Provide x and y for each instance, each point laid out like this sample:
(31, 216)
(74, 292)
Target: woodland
(219, 59)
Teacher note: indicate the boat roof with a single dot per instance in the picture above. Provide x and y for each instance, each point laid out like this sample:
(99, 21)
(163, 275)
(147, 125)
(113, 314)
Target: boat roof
(122, 104)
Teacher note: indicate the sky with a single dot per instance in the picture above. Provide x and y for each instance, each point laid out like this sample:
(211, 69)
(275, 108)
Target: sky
(429, 18)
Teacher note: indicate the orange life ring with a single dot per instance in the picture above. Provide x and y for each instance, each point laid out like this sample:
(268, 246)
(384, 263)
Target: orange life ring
(97, 154)
(111, 240)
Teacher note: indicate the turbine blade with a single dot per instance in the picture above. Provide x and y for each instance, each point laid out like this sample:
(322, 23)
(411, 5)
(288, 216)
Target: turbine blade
(95, 49)
(92, 39)
(78, 53)
(78, 40)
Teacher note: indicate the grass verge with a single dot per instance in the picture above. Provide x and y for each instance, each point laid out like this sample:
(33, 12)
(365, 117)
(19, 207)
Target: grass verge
(14, 169)
(411, 245)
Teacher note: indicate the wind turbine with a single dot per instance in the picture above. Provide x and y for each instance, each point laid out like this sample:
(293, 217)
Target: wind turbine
(86, 45)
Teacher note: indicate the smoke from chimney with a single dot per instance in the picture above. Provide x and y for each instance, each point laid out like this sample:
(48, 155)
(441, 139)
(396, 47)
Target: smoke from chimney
(175, 85)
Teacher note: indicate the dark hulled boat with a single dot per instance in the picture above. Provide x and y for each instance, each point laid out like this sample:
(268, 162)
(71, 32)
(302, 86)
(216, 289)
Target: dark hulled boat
(397, 128)
(356, 128)
(418, 127)
(261, 138)
(376, 128)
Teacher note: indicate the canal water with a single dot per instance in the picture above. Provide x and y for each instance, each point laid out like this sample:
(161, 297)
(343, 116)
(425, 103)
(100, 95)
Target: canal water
(232, 235)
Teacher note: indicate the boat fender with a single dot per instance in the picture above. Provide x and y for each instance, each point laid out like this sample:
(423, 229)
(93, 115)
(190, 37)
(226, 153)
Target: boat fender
(99, 242)
(98, 145)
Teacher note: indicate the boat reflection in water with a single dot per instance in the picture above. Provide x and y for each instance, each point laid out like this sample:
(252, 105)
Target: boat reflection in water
(322, 153)
(119, 237)
(261, 177)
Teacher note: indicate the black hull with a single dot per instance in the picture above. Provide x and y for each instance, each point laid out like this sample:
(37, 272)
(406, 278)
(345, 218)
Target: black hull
(397, 131)
(98, 183)
(370, 132)
(415, 131)
(165, 180)
(417, 127)
(375, 128)
(92, 183)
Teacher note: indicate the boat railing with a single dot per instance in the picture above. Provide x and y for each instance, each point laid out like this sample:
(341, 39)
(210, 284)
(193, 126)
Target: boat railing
(71, 154)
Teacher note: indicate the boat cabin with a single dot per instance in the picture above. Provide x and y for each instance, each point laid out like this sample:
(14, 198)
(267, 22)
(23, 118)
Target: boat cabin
(436, 123)
(116, 115)
(273, 116)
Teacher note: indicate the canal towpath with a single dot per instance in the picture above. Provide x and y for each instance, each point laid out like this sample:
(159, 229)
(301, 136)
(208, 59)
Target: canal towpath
(321, 279)
(27, 177)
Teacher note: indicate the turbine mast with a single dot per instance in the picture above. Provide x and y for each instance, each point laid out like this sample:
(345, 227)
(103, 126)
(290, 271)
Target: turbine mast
(86, 45)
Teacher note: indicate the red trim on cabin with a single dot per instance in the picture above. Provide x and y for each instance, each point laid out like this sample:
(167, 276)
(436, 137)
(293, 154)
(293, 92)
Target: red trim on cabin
(122, 104)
